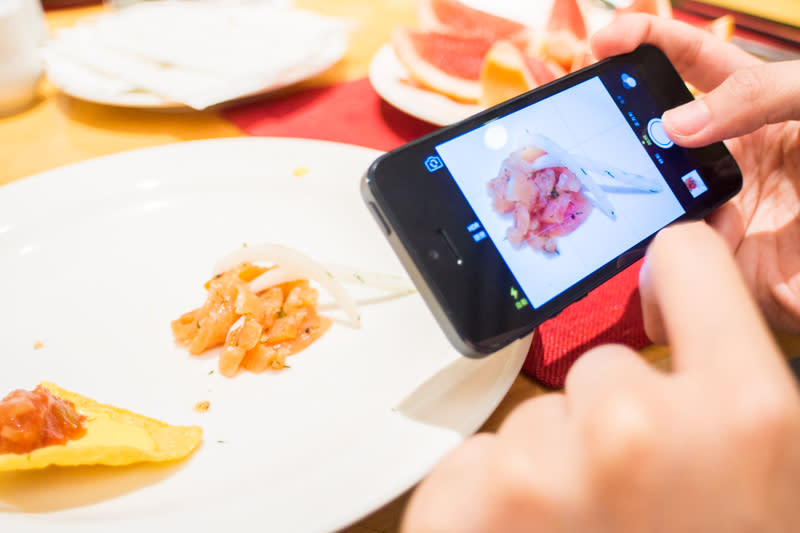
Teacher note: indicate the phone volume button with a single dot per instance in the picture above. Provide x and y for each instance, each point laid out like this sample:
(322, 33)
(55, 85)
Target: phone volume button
(379, 217)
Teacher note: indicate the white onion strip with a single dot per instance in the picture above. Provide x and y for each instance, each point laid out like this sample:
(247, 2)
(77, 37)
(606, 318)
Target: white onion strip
(384, 282)
(292, 266)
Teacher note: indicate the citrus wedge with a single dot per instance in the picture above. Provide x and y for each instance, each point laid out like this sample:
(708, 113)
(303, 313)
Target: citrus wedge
(723, 27)
(566, 15)
(504, 74)
(452, 16)
(564, 38)
(508, 72)
(446, 63)
(662, 8)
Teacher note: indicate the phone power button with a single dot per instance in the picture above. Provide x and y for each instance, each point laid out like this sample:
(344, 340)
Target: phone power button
(379, 217)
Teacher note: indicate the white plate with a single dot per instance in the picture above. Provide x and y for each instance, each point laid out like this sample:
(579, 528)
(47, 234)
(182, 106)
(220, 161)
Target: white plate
(391, 81)
(221, 52)
(96, 258)
(78, 81)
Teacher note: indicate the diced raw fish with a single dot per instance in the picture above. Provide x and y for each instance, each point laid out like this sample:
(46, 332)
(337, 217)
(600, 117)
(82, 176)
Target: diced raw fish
(567, 182)
(519, 231)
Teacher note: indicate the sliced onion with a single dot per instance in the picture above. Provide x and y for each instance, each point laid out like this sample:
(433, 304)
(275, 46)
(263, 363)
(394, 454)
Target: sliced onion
(384, 282)
(272, 277)
(292, 265)
(545, 161)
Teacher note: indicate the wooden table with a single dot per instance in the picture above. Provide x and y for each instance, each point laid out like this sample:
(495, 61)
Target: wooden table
(58, 130)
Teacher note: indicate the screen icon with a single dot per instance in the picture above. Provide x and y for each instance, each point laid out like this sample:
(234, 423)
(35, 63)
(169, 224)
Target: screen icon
(694, 183)
(477, 233)
(519, 300)
(628, 81)
(433, 163)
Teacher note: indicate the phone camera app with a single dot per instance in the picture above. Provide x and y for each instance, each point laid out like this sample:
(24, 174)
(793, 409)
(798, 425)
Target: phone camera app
(433, 163)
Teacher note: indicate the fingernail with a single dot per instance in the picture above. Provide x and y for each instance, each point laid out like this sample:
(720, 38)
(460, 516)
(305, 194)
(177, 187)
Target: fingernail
(688, 119)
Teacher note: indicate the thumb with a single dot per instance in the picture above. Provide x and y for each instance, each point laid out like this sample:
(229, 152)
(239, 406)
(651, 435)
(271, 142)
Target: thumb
(748, 99)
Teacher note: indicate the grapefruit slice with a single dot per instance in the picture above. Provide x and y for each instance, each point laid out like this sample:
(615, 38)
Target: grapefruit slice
(582, 59)
(452, 16)
(544, 70)
(446, 63)
(662, 8)
(504, 74)
(723, 27)
(508, 72)
(561, 46)
(565, 35)
(566, 15)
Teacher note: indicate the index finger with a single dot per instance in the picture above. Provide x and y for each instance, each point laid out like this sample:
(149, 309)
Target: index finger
(700, 57)
(707, 313)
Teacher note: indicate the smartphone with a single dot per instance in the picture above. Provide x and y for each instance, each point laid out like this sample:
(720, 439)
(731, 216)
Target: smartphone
(504, 219)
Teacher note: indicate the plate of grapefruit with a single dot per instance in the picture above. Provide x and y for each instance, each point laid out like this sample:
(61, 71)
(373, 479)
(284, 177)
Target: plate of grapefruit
(465, 57)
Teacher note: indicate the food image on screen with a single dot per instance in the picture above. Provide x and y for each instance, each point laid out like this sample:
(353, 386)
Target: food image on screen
(563, 186)
(544, 203)
(550, 192)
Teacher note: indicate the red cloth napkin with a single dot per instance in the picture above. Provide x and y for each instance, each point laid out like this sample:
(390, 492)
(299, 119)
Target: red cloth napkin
(353, 113)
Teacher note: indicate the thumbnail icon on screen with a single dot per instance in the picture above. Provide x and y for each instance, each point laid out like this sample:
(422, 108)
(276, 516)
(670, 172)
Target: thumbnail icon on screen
(694, 183)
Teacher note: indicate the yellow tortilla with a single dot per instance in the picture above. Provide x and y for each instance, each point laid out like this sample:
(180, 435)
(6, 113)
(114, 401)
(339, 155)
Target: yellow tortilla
(113, 437)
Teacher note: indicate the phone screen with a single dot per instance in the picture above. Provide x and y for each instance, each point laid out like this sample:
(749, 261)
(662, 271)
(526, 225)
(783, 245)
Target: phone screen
(614, 180)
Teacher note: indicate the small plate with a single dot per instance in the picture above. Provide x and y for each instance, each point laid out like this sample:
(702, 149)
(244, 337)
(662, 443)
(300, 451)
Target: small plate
(392, 82)
(219, 52)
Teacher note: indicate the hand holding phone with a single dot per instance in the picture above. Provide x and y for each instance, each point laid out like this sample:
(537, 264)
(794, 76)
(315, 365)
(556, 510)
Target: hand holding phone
(755, 106)
(507, 217)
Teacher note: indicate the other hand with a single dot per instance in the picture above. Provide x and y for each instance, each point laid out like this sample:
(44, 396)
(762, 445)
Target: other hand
(713, 446)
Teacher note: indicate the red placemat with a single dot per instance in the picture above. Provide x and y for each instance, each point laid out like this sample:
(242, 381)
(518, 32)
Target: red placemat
(353, 113)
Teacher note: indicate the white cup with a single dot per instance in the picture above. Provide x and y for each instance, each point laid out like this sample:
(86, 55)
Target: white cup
(22, 33)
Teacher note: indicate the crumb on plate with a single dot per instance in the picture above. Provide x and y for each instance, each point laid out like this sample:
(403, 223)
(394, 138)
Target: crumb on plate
(202, 407)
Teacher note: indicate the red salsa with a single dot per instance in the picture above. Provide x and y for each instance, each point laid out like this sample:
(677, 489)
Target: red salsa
(30, 420)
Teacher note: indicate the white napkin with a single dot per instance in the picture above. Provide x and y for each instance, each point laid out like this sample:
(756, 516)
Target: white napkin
(442, 398)
(195, 53)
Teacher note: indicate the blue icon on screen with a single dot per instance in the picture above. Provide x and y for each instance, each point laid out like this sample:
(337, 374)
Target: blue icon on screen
(433, 163)
(628, 81)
